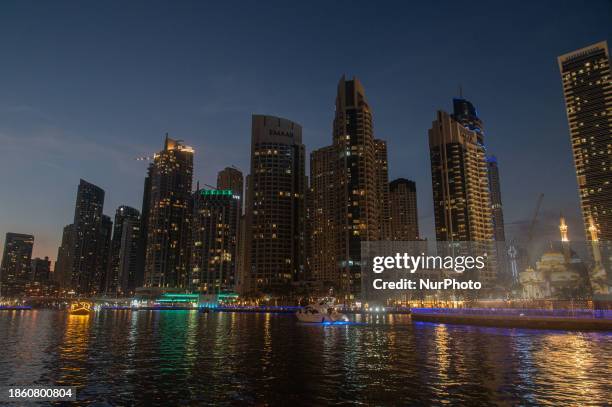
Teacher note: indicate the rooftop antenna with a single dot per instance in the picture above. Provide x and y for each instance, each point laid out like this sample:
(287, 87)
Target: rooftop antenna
(460, 92)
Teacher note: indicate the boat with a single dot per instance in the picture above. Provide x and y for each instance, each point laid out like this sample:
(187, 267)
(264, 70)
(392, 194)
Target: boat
(323, 311)
(80, 308)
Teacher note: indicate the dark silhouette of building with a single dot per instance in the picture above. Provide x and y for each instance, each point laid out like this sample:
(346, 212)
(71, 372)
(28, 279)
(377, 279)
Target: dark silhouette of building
(587, 89)
(16, 264)
(63, 265)
(88, 240)
(496, 202)
(129, 256)
(404, 216)
(103, 253)
(169, 189)
(116, 262)
(349, 186)
(275, 206)
(41, 270)
(232, 179)
(216, 214)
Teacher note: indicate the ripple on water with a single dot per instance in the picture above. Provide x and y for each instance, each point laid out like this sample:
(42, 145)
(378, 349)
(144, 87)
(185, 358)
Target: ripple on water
(172, 357)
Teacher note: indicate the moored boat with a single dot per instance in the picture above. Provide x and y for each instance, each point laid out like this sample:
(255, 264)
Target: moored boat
(80, 308)
(323, 311)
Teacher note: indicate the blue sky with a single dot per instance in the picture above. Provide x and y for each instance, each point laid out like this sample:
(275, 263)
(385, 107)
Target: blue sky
(88, 86)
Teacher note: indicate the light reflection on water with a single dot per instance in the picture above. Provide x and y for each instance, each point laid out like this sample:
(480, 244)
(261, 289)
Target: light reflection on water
(177, 357)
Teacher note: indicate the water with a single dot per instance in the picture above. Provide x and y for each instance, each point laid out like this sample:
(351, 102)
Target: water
(180, 357)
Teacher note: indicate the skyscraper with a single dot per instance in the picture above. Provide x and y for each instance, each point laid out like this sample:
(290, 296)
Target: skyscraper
(122, 214)
(462, 203)
(129, 256)
(323, 224)
(460, 183)
(41, 270)
(16, 263)
(349, 192)
(404, 216)
(275, 205)
(167, 251)
(214, 240)
(382, 188)
(87, 272)
(63, 264)
(496, 202)
(587, 87)
(103, 253)
(232, 179)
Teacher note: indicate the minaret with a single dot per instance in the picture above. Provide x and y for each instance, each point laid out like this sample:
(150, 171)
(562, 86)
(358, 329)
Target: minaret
(598, 273)
(563, 230)
(564, 239)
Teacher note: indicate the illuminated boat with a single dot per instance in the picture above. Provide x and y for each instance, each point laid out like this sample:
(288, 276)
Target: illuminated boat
(80, 308)
(323, 311)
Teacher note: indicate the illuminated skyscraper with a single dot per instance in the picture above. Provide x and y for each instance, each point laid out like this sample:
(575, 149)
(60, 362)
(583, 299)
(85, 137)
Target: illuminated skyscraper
(462, 202)
(382, 188)
(16, 264)
(167, 251)
(116, 262)
(349, 186)
(587, 87)
(404, 216)
(460, 182)
(214, 240)
(275, 205)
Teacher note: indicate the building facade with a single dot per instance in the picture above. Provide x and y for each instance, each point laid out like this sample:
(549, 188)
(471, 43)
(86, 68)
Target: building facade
(169, 191)
(16, 264)
(128, 278)
(275, 206)
(587, 88)
(349, 186)
(460, 183)
(231, 178)
(216, 214)
(41, 270)
(113, 281)
(62, 273)
(87, 240)
(497, 210)
(404, 214)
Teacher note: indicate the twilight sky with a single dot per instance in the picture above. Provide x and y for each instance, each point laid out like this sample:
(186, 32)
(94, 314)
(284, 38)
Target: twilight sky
(85, 87)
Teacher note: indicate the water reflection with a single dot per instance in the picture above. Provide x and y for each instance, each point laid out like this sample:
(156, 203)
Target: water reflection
(183, 357)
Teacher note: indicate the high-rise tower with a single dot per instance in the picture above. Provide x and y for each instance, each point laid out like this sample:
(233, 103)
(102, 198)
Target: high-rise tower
(460, 182)
(123, 214)
(169, 191)
(349, 186)
(214, 240)
(404, 216)
(16, 263)
(232, 179)
(462, 202)
(86, 273)
(275, 205)
(499, 233)
(587, 87)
